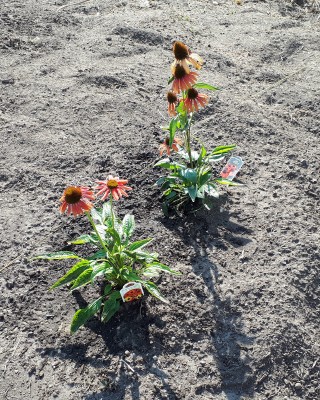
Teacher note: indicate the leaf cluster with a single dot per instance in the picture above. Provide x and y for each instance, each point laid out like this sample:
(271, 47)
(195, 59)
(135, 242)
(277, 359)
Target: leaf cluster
(185, 183)
(115, 258)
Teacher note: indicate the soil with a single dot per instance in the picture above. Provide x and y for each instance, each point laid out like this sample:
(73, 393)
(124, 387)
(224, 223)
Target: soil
(82, 96)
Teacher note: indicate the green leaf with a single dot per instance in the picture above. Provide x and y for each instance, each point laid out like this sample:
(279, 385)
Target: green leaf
(185, 155)
(172, 129)
(166, 163)
(139, 244)
(223, 149)
(202, 85)
(107, 290)
(192, 191)
(162, 267)
(98, 255)
(111, 306)
(82, 315)
(83, 279)
(161, 181)
(106, 212)
(170, 196)
(216, 158)
(227, 182)
(153, 289)
(201, 193)
(204, 178)
(113, 232)
(96, 214)
(100, 269)
(128, 225)
(203, 152)
(170, 79)
(72, 274)
(212, 191)
(84, 239)
(59, 255)
(180, 108)
(132, 276)
(190, 175)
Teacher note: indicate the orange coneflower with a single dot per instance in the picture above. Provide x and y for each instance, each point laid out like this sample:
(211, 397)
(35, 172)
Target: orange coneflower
(75, 200)
(184, 57)
(114, 186)
(194, 100)
(172, 102)
(182, 79)
(164, 147)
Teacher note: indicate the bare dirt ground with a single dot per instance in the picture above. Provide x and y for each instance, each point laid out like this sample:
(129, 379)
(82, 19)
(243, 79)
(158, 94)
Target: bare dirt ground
(82, 95)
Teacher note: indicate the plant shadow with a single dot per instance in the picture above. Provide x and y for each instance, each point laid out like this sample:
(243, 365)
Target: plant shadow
(210, 229)
(206, 232)
(127, 341)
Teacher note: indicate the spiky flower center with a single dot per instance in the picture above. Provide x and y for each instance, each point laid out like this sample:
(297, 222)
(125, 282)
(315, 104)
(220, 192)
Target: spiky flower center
(112, 183)
(72, 194)
(172, 98)
(180, 51)
(179, 72)
(192, 94)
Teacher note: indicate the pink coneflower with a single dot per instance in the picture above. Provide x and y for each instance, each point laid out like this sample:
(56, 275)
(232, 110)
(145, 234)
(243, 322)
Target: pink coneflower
(75, 200)
(114, 186)
(164, 147)
(194, 100)
(172, 102)
(182, 79)
(184, 57)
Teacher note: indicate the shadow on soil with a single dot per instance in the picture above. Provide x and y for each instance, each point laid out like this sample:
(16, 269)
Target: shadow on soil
(128, 332)
(205, 231)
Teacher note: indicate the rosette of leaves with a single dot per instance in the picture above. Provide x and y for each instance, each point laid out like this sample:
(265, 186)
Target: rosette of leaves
(187, 181)
(115, 258)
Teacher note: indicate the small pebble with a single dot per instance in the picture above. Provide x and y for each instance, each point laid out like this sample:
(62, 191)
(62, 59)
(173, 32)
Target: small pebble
(155, 358)
(127, 353)
(298, 386)
(173, 338)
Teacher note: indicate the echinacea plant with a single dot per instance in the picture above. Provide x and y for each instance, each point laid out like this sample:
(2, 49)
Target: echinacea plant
(115, 259)
(190, 175)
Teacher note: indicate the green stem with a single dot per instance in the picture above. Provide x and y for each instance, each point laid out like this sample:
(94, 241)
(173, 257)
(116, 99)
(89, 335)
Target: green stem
(188, 140)
(97, 233)
(111, 208)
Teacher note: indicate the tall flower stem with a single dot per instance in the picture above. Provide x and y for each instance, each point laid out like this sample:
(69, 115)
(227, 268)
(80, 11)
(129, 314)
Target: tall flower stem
(188, 140)
(112, 214)
(96, 231)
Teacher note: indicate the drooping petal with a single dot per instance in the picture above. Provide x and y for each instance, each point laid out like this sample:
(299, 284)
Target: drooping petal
(114, 193)
(195, 60)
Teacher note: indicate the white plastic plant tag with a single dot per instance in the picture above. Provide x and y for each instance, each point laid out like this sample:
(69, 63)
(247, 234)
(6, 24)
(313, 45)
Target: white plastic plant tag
(131, 291)
(232, 167)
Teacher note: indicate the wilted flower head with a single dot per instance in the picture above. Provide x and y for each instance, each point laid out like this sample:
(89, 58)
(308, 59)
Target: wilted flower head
(76, 200)
(172, 102)
(164, 147)
(114, 186)
(182, 79)
(194, 100)
(184, 57)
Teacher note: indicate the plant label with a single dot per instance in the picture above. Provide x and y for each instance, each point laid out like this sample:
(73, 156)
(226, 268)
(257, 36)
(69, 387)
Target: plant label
(232, 167)
(131, 291)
